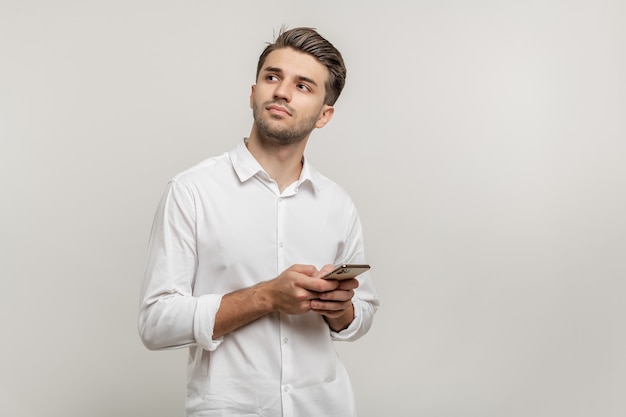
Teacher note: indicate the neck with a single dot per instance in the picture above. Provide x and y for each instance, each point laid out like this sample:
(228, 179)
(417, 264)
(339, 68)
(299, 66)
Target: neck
(283, 163)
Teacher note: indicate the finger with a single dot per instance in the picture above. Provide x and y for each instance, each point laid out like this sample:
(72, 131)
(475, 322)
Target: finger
(327, 306)
(337, 295)
(319, 285)
(325, 270)
(332, 310)
(348, 284)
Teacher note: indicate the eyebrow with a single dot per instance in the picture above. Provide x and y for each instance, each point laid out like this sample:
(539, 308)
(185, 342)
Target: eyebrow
(300, 77)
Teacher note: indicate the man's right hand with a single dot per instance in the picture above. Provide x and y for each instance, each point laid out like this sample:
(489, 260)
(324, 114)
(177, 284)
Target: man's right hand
(292, 291)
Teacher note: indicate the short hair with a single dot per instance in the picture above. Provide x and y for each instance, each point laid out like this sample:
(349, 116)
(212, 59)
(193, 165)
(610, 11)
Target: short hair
(307, 40)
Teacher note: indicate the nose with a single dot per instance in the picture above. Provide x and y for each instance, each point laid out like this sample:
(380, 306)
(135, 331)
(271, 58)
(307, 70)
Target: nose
(282, 92)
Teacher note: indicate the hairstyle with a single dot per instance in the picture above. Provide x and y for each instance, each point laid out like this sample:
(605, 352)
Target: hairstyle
(307, 40)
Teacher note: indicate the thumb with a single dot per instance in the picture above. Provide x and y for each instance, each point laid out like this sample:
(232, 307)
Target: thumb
(325, 270)
(309, 270)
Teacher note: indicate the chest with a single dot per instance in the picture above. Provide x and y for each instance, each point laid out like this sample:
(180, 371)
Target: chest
(251, 233)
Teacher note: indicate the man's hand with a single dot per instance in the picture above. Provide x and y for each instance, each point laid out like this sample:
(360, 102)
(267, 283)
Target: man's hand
(336, 305)
(292, 291)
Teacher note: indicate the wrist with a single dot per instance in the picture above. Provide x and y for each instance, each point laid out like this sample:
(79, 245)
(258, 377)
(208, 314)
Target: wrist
(262, 297)
(342, 322)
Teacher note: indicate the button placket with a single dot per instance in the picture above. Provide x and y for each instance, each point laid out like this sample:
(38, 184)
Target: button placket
(279, 232)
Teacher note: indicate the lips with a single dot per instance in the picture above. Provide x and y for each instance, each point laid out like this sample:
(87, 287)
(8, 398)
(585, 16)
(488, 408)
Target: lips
(276, 109)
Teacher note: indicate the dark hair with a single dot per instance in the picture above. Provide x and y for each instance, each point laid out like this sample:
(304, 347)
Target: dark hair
(307, 40)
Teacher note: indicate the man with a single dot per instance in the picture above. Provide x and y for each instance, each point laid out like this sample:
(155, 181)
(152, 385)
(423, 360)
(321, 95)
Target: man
(236, 243)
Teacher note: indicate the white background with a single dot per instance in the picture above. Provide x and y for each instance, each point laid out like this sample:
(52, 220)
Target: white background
(484, 143)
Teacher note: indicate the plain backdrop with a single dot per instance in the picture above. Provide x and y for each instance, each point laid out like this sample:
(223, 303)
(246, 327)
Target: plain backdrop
(484, 143)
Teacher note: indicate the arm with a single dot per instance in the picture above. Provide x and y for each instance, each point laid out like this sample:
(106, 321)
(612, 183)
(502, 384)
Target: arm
(349, 309)
(291, 293)
(167, 308)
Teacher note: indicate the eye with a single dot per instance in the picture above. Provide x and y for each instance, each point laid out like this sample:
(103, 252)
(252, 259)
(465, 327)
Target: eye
(271, 77)
(303, 87)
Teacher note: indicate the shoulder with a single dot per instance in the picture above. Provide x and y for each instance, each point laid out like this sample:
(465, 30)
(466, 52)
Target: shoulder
(203, 172)
(330, 189)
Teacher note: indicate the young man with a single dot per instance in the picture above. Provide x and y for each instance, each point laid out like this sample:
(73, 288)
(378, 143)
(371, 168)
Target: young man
(236, 243)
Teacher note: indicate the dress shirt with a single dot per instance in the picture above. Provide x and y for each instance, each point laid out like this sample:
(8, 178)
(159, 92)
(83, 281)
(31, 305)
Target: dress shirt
(223, 225)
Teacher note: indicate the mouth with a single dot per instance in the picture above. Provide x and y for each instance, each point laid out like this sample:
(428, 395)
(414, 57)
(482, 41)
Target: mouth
(278, 110)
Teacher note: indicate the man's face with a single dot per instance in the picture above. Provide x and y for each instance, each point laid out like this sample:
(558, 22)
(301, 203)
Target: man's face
(288, 99)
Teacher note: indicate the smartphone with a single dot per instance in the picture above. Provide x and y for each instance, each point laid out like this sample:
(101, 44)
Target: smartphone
(346, 271)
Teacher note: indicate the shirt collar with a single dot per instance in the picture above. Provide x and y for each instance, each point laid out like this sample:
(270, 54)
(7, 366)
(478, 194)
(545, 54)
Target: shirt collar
(246, 167)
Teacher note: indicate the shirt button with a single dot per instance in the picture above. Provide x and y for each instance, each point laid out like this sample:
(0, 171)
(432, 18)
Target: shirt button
(281, 244)
(285, 340)
(286, 388)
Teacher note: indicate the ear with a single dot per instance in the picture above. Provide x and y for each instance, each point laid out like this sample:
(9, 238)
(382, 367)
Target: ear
(325, 116)
(252, 95)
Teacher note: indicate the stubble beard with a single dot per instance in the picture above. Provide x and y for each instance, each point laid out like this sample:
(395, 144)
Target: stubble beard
(280, 135)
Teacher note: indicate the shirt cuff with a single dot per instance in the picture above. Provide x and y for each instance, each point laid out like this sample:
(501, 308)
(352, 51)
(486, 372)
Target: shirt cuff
(204, 321)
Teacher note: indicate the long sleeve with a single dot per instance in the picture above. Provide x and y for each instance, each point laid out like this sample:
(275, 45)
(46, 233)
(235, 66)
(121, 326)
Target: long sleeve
(170, 316)
(365, 299)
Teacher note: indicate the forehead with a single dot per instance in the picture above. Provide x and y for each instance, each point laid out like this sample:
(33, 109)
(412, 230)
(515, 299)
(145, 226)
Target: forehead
(296, 63)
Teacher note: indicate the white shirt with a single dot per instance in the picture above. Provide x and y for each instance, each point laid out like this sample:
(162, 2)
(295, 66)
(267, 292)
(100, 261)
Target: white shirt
(223, 225)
